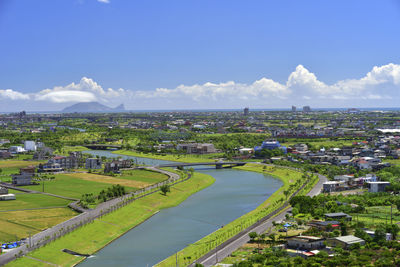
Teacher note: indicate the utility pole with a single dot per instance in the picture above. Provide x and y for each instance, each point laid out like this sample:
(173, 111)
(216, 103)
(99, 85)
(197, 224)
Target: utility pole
(391, 214)
(176, 258)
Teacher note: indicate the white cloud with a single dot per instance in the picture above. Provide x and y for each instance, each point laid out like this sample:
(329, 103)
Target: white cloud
(104, 1)
(13, 95)
(85, 91)
(381, 83)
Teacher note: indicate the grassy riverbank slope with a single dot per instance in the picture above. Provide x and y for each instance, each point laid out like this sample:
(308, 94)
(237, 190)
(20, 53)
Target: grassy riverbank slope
(292, 180)
(94, 236)
(189, 158)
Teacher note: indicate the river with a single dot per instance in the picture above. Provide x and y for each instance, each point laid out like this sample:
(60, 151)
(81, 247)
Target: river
(233, 194)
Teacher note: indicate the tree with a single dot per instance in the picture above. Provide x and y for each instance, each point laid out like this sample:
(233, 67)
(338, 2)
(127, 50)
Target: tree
(253, 236)
(165, 189)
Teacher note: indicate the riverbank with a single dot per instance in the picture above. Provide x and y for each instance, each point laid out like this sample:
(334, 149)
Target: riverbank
(96, 235)
(188, 158)
(292, 180)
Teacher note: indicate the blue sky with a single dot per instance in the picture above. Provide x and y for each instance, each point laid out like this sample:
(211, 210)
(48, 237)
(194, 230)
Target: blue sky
(199, 54)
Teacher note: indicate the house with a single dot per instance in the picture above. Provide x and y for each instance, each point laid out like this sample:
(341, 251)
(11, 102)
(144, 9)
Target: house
(30, 145)
(324, 225)
(305, 242)
(246, 151)
(345, 241)
(73, 161)
(16, 149)
(50, 167)
(195, 148)
(43, 153)
(337, 216)
(22, 179)
(93, 163)
(116, 165)
(375, 187)
(4, 154)
(372, 234)
(332, 186)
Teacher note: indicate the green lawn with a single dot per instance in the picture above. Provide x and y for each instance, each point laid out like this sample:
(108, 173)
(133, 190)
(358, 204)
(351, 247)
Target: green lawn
(32, 201)
(15, 225)
(12, 166)
(94, 236)
(69, 186)
(377, 215)
(146, 176)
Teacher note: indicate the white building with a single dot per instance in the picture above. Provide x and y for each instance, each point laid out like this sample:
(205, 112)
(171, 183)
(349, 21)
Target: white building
(16, 149)
(30, 145)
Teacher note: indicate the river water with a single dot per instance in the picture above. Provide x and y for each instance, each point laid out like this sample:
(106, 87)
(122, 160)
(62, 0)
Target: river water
(233, 194)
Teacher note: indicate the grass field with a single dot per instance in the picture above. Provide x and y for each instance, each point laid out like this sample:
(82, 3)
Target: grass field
(179, 158)
(12, 166)
(393, 161)
(145, 176)
(31, 201)
(204, 245)
(94, 236)
(18, 221)
(15, 225)
(74, 185)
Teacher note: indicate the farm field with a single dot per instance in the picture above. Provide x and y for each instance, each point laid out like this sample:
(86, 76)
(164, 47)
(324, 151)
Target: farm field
(377, 215)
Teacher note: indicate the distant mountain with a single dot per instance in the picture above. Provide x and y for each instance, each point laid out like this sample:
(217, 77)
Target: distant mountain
(92, 107)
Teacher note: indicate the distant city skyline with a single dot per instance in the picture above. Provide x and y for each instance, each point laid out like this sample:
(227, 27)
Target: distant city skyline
(176, 55)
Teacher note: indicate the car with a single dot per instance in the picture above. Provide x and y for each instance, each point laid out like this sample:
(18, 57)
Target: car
(282, 230)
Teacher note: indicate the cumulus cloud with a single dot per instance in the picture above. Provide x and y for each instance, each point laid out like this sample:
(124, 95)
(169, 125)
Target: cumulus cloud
(13, 95)
(381, 83)
(86, 90)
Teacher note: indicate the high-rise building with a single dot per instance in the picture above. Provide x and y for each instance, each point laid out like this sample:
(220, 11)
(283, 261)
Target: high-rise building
(246, 111)
(306, 109)
(293, 108)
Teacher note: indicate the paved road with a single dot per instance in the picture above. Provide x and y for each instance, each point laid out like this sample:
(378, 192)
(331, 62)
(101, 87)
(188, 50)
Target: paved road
(224, 252)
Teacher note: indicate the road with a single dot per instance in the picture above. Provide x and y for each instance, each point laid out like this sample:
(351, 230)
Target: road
(217, 255)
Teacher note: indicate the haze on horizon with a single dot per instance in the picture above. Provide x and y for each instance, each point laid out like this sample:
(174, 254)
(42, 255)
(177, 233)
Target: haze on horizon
(199, 55)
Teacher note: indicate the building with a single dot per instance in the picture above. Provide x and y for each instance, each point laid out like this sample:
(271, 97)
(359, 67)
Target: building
(5, 154)
(246, 111)
(4, 195)
(116, 165)
(305, 242)
(372, 235)
(195, 148)
(22, 179)
(30, 145)
(332, 186)
(345, 241)
(337, 216)
(375, 187)
(16, 149)
(93, 163)
(325, 225)
(73, 161)
(3, 190)
(270, 144)
(306, 109)
(294, 108)
(43, 153)
(50, 167)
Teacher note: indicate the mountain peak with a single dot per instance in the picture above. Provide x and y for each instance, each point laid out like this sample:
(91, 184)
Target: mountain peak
(91, 107)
